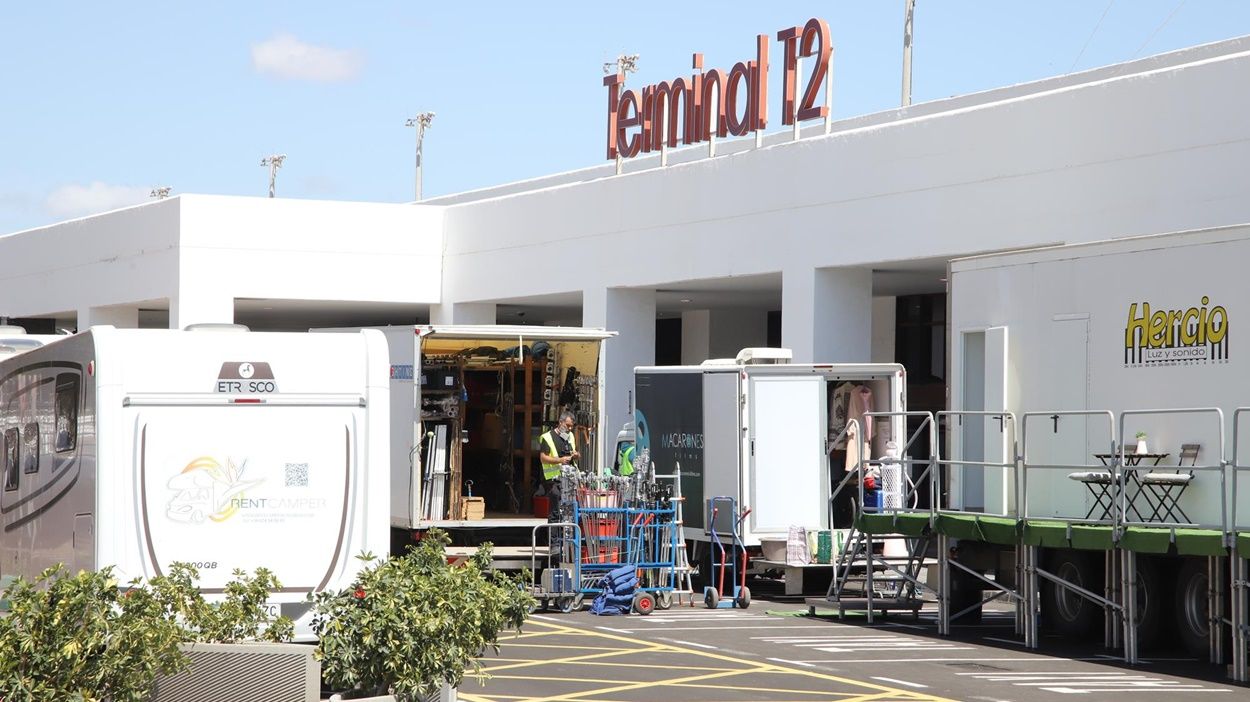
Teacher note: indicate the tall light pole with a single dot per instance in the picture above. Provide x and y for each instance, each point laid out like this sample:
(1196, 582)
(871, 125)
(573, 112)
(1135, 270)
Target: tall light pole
(421, 122)
(274, 162)
(623, 65)
(160, 192)
(908, 12)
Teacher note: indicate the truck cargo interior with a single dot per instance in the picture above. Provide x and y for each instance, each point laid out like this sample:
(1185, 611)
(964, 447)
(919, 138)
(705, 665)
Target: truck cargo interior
(484, 403)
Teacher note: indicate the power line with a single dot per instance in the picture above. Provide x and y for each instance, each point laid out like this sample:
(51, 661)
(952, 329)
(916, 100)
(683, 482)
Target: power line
(1091, 36)
(1160, 27)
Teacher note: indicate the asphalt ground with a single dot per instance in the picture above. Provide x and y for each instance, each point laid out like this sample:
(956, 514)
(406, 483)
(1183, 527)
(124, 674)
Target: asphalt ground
(774, 652)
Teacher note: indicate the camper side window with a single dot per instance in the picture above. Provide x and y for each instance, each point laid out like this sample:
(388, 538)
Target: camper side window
(11, 454)
(66, 411)
(30, 448)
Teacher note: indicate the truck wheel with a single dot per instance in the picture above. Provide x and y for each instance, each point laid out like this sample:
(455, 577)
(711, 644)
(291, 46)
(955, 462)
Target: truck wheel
(1149, 603)
(1068, 613)
(1192, 612)
(965, 592)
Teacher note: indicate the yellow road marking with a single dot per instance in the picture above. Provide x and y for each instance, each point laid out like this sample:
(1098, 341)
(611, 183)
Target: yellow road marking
(762, 667)
(561, 678)
(879, 691)
(638, 686)
(571, 659)
(581, 647)
(615, 664)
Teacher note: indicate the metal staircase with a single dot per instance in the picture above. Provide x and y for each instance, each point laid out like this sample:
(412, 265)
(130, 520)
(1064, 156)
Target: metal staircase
(864, 578)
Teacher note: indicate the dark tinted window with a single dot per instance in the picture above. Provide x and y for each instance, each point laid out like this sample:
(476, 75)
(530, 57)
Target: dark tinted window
(12, 451)
(30, 448)
(67, 386)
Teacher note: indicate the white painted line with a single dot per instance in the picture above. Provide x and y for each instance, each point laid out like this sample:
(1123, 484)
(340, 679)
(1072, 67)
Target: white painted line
(920, 660)
(1075, 691)
(696, 645)
(716, 628)
(619, 631)
(1006, 641)
(802, 663)
(899, 682)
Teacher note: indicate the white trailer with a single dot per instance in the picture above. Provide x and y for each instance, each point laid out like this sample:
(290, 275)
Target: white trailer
(760, 433)
(468, 403)
(223, 448)
(1116, 327)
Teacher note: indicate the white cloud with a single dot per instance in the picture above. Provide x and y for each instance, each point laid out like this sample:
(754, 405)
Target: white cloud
(78, 200)
(284, 56)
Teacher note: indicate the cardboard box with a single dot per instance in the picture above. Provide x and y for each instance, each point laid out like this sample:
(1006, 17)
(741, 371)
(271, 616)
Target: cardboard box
(474, 508)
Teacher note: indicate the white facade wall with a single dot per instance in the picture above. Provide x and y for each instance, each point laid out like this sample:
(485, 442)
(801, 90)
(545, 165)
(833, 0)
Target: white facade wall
(111, 259)
(200, 252)
(1144, 153)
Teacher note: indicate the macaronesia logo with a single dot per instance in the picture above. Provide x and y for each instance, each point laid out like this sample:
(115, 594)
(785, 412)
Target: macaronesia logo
(1197, 334)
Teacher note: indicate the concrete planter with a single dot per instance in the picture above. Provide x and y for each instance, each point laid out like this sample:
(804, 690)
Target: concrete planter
(244, 672)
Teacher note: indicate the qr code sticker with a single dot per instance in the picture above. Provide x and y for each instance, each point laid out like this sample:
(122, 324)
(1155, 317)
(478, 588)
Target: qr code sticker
(297, 475)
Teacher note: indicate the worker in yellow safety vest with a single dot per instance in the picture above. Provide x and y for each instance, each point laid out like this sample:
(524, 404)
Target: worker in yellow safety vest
(625, 459)
(557, 450)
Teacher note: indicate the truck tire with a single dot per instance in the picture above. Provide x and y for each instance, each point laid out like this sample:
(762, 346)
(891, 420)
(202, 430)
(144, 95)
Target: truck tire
(1192, 624)
(1066, 612)
(1150, 603)
(965, 592)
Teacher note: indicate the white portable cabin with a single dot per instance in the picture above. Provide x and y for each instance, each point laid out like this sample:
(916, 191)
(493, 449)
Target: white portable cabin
(468, 403)
(1067, 329)
(226, 449)
(758, 429)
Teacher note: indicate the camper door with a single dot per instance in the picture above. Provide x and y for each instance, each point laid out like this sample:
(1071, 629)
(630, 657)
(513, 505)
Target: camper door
(234, 486)
(789, 476)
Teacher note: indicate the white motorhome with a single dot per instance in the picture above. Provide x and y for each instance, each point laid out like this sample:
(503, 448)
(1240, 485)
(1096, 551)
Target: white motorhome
(15, 340)
(468, 404)
(763, 431)
(1116, 327)
(222, 448)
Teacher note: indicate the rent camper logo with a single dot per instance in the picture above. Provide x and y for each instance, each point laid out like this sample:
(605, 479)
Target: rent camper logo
(1176, 337)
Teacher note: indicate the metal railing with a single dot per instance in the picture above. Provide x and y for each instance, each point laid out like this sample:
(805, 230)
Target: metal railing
(1026, 464)
(1011, 466)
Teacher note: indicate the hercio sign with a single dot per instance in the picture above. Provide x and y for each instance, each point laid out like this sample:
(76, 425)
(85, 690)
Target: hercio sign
(717, 102)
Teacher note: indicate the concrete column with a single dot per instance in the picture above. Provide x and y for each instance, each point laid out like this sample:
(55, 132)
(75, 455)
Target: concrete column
(826, 314)
(120, 316)
(630, 313)
(462, 313)
(185, 310)
(734, 330)
(884, 313)
(696, 326)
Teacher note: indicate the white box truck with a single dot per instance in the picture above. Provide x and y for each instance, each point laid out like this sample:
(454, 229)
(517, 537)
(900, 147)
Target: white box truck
(761, 433)
(1131, 324)
(135, 448)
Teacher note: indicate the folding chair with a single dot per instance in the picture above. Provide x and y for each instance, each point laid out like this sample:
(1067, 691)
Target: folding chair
(1166, 487)
(1100, 484)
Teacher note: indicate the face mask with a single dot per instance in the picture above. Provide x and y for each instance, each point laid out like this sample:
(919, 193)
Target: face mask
(562, 431)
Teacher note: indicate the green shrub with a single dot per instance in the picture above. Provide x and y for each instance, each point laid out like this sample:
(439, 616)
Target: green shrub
(412, 622)
(82, 637)
(239, 616)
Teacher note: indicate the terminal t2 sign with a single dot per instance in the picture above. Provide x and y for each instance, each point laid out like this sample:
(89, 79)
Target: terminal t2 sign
(718, 103)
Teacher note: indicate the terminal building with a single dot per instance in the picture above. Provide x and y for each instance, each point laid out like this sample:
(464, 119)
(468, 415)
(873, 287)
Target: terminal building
(833, 240)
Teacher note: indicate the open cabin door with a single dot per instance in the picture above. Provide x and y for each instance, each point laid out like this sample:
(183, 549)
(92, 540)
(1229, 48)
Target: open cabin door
(982, 440)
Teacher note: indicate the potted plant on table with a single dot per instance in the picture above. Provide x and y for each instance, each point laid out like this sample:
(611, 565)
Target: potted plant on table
(1141, 443)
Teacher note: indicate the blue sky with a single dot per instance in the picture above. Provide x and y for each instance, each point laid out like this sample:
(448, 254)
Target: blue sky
(103, 101)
